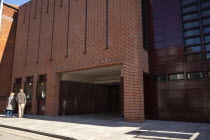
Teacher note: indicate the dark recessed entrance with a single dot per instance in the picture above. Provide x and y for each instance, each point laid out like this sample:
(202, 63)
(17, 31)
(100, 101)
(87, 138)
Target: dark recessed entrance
(91, 91)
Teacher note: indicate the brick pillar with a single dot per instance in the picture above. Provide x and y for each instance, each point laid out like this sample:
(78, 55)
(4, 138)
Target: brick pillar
(133, 93)
(52, 95)
(34, 101)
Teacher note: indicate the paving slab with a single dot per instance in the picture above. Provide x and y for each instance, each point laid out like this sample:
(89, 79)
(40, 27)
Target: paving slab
(102, 127)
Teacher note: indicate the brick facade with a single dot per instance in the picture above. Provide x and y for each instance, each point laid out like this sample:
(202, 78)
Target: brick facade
(55, 36)
(7, 44)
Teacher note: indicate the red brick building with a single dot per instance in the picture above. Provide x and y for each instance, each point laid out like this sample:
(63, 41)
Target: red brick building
(97, 46)
(7, 44)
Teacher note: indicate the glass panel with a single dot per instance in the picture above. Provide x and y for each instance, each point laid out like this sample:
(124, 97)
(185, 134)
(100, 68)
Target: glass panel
(187, 1)
(190, 16)
(159, 78)
(193, 49)
(29, 90)
(195, 75)
(190, 8)
(191, 32)
(207, 55)
(190, 41)
(207, 38)
(191, 24)
(194, 57)
(206, 30)
(41, 90)
(207, 46)
(205, 4)
(205, 13)
(176, 76)
(206, 21)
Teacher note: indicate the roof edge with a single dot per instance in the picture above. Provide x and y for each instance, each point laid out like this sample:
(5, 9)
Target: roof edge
(10, 6)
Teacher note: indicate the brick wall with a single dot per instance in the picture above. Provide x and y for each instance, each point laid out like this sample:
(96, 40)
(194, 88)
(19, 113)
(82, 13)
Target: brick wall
(7, 44)
(56, 36)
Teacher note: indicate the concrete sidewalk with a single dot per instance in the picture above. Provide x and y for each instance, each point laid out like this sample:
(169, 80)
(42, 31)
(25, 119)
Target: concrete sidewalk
(100, 127)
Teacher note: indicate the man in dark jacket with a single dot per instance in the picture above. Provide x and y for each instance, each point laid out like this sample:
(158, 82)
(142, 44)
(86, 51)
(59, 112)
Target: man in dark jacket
(10, 106)
(21, 100)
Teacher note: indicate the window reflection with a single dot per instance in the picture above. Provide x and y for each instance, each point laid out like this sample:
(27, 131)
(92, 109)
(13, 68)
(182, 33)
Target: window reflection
(190, 41)
(41, 90)
(184, 2)
(205, 13)
(207, 46)
(190, 16)
(190, 8)
(195, 75)
(205, 4)
(159, 78)
(206, 30)
(206, 21)
(191, 32)
(193, 49)
(191, 24)
(29, 87)
(176, 76)
(207, 55)
(207, 38)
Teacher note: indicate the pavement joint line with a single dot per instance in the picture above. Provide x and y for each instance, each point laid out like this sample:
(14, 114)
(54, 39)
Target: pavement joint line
(38, 132)
(26, 134)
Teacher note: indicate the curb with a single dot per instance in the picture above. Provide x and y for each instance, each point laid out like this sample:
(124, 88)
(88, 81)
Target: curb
(37, 132)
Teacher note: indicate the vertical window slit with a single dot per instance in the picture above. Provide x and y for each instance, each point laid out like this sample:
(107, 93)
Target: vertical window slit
(40, 28)
(47, 6)
(86, 17)
(61, 3)
(67, 44)
(35, 9)
(107, 24)
(27, 42)
(24, 20)
(52, 38)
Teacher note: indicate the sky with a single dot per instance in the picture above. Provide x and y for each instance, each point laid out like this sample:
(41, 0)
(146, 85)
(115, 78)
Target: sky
(16, 2)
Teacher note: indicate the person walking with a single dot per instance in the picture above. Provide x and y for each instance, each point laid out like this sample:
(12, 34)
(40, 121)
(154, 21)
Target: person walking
(10, 106)
(21, 100)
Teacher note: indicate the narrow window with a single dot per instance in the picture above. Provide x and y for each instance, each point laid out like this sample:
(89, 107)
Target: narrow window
(159, 78)
(191, 32)
(189, 9)
(191, 24)
(205, 13)
(208, 74)
(190, 41)
(184, 2)
(195, 75)
(206, 21)
(207, 55)
(29, 87)
(207, 38)
(205, 4)
(190, 16)
(206, 30)
(176, 76)
(207, 46)
(193, 49)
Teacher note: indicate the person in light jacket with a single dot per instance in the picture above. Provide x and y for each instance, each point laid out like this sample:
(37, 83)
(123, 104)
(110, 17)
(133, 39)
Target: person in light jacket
(21, 100)
(10, 106)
